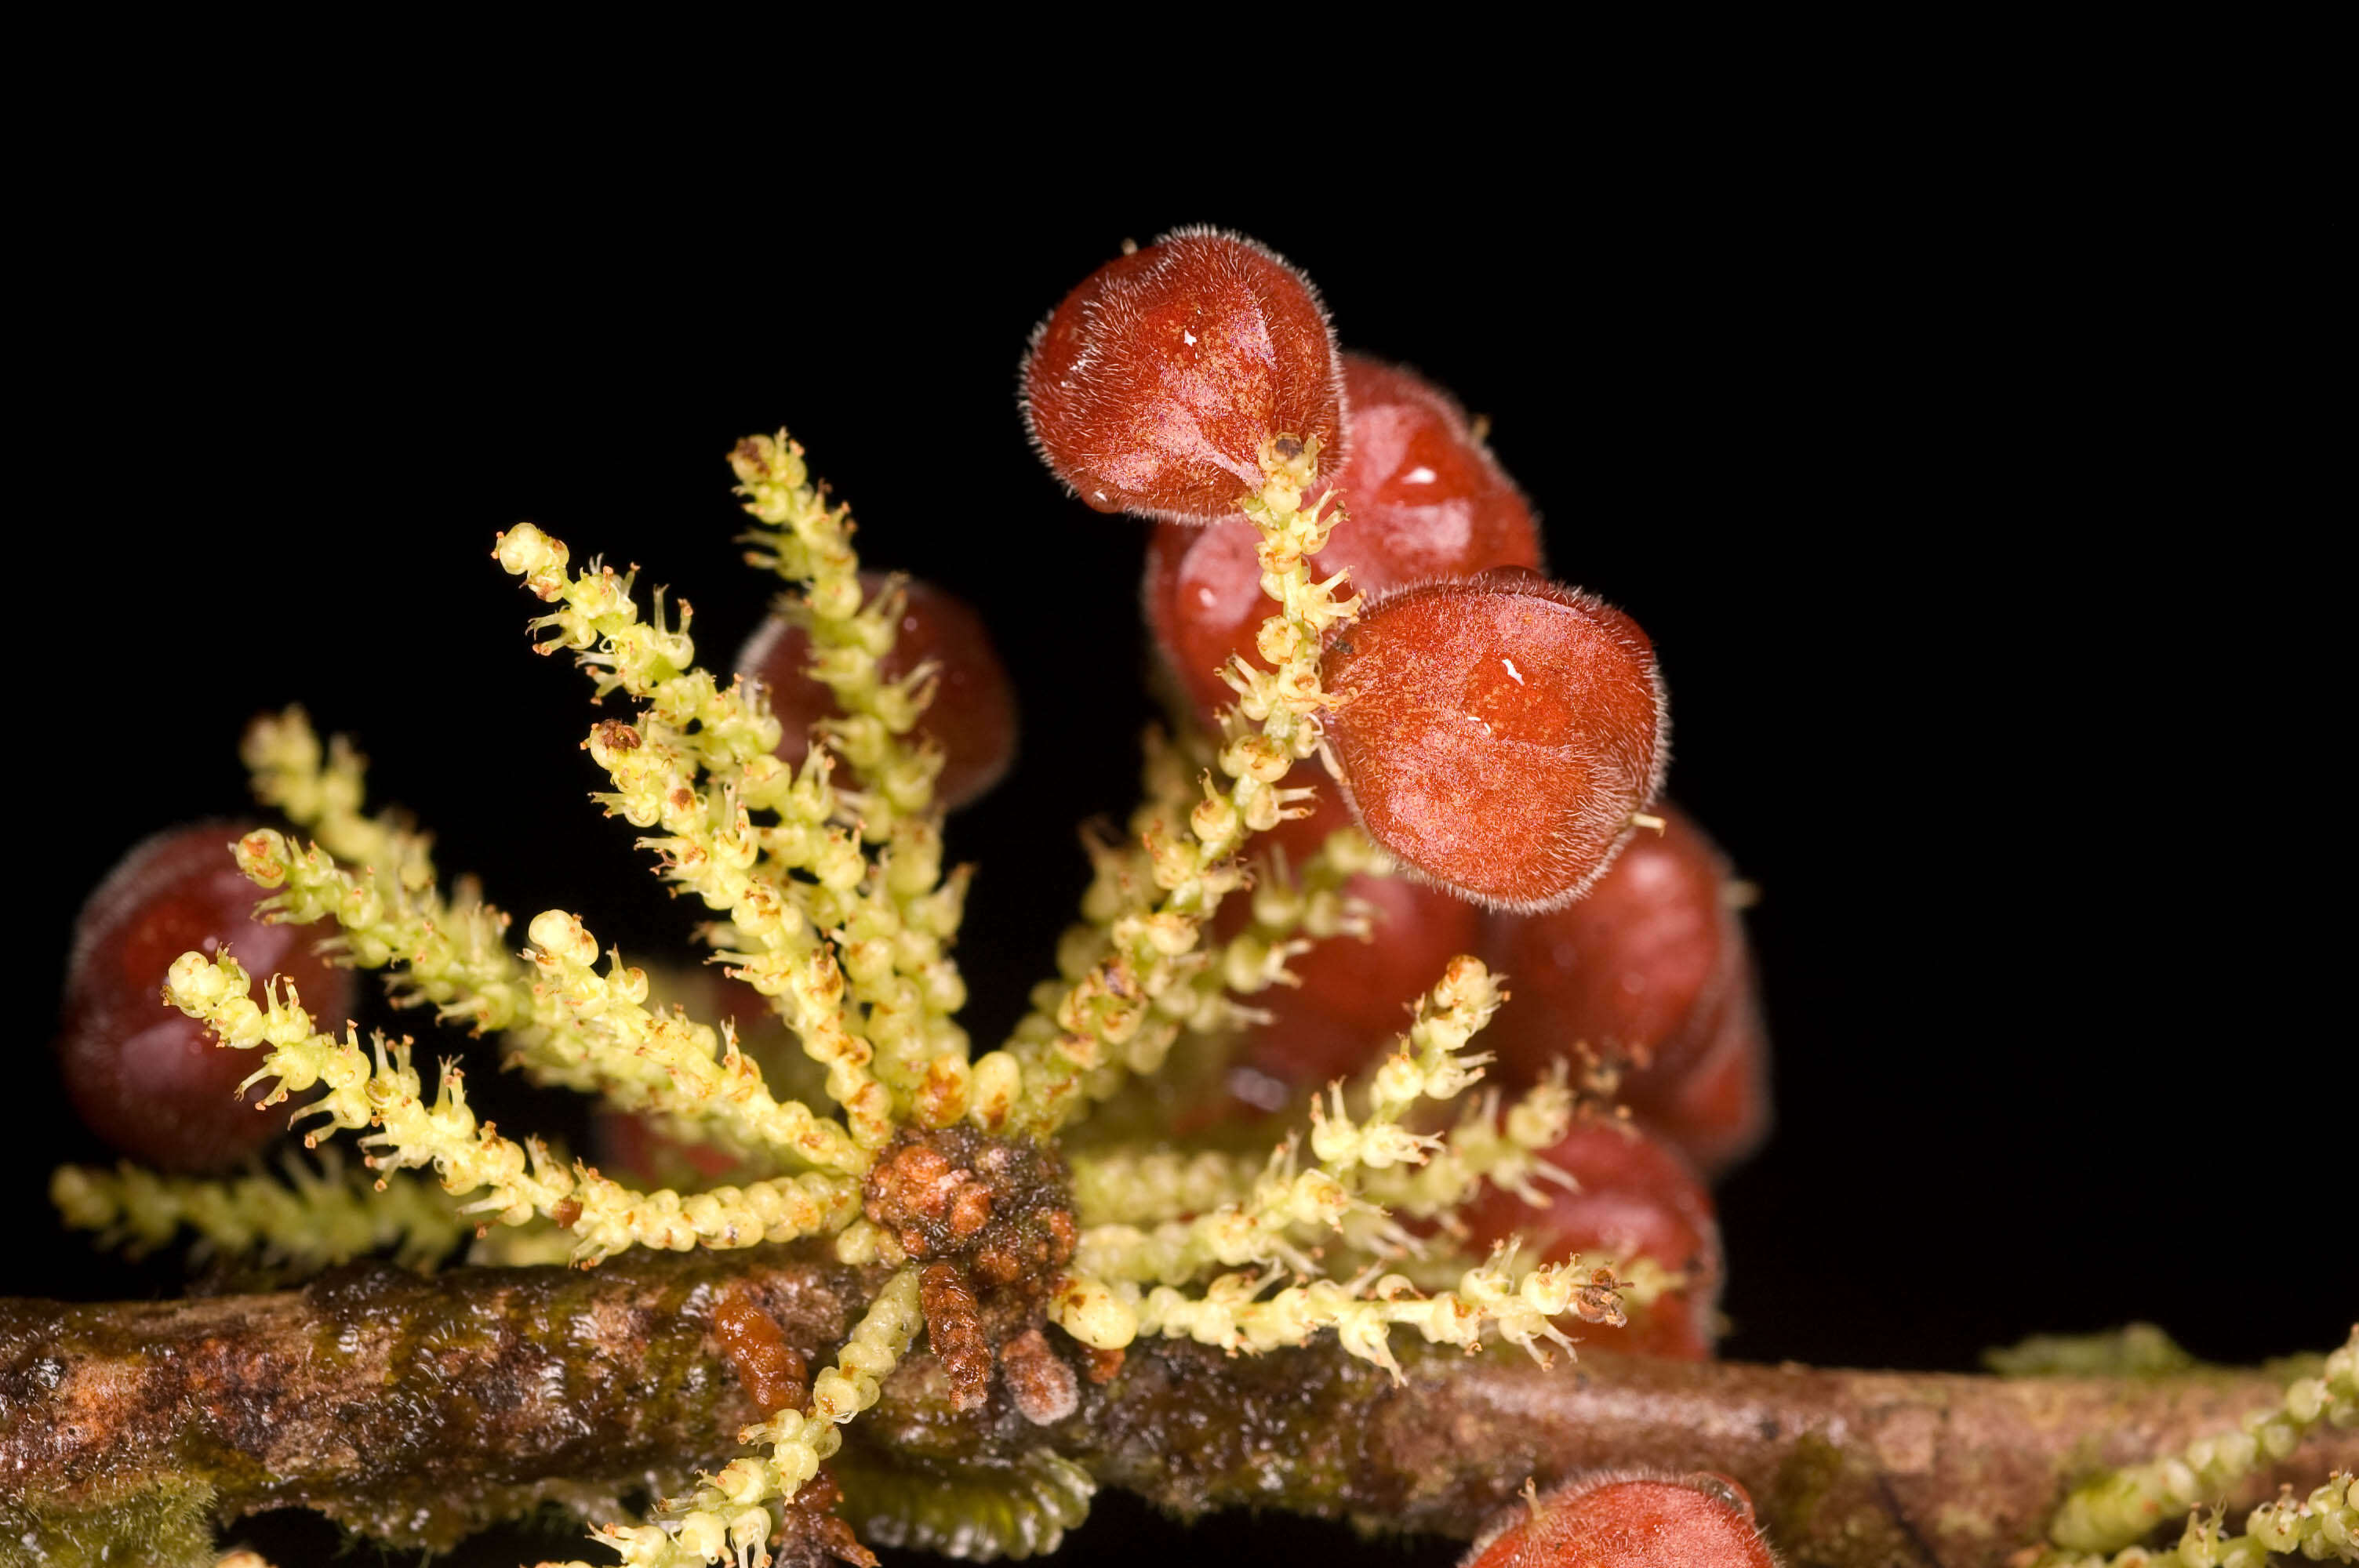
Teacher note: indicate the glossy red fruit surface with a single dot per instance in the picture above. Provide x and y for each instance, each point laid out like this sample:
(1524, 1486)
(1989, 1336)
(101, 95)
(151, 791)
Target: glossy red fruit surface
(1650, 969)
(1153, 386)
(1637, 1197)
(1628, 1521)
(1423, 500)
(1497, 732)
(144, 1075)
(971, 718)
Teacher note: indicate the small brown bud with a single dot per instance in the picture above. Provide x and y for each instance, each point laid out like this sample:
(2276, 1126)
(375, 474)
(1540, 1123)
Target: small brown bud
(773, 1372)
(954, 1329)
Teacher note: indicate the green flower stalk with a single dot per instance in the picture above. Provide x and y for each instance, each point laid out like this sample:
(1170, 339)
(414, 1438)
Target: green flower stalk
(520, 1181)
(315, 1220)
(2320, 1527)
(2115, 1509)
(1108, 1021)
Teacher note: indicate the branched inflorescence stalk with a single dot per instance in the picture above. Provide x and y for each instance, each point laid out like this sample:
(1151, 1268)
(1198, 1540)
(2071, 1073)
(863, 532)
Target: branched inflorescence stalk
(1111, 1018)
(1127, 1186)
(563, 1022)
(449, 953)
(696, 764)
(1292, 906)
(2115, 1509)
(1101, 1302)
(520, 1181)
(894, 936)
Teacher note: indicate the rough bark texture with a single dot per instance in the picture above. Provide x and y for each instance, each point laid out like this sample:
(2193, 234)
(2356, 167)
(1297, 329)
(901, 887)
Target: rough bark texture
(417, 1410)
(1846, 1468)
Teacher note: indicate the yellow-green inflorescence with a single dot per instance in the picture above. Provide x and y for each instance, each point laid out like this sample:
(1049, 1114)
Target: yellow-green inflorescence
(836, 906)
(2318, 1526)
(315, 1220)
(2110, 1512)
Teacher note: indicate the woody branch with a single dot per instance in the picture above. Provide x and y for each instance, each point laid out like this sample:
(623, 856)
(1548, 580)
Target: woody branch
(417, 1410)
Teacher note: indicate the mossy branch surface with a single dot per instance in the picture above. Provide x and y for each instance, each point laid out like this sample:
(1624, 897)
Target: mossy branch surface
(421, 1410)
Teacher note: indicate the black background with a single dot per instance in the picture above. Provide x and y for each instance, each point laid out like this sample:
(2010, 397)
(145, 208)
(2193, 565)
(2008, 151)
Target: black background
(1968, 500)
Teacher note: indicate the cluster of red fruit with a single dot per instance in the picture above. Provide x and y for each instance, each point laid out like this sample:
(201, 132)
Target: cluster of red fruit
(1499, 733)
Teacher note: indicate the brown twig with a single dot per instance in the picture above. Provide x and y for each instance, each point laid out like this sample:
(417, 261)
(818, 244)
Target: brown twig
(420, 1409)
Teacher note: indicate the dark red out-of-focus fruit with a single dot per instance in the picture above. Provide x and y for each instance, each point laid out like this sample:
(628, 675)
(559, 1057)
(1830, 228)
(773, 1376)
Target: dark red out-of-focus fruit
(971, 718)
(1355, 997)
(144, 1076)
(632, 1145)
(1423, 499)
(1650, 970)
(1700, 1521)
(1154, 386)
(627, 1144)
(1496, 733)
(1637, 1197)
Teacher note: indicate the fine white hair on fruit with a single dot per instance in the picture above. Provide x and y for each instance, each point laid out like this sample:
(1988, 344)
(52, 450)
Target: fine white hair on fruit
(1597, 817)
(1109, 310)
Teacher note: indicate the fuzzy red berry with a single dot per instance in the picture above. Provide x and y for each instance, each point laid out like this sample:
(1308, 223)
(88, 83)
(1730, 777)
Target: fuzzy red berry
(971, 718)
(1154, 386)
(1423, 498)
(1628, 1521)
(1650, 970)
(146, 1078)
(1637, 1197)
(1496, 733)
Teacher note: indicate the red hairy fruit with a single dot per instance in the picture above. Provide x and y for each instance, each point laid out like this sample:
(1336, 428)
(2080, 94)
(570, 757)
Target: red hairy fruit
(1424, 499)
(1699, 1521)
(971, 718)
(1497, 733)
(1637, 1197)
(1154, 386)
(144, 1076)
(1650, 970)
